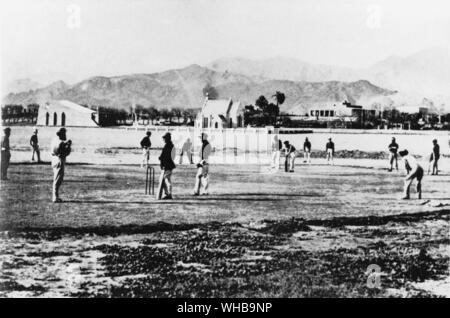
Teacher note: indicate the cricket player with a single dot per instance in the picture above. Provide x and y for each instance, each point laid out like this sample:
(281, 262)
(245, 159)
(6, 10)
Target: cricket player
(307, 150)
(276, 152)
(167, 165)
(393, 148)
(329, 148)
(61, 148)
(290, 156)
(146, 144)
(6, 153)
(435, 157)
(186, 149)
(413, 171)
(34, 143)
(202, 176)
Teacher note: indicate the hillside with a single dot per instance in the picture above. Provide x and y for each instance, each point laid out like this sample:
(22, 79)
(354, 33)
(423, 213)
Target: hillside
(183, 88)
(425, 74)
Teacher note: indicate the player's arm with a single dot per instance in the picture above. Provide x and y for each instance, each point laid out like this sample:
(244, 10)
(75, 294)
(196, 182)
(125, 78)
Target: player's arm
(411, 169)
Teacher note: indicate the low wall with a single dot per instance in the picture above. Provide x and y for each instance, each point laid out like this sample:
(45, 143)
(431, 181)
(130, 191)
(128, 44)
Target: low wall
(243, 140)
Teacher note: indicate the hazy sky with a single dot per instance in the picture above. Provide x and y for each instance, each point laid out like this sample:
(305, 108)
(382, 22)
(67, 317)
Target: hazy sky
(49, 39)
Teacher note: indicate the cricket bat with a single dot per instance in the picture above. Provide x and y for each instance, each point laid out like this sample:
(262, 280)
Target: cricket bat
(286, 164)
(160, 187)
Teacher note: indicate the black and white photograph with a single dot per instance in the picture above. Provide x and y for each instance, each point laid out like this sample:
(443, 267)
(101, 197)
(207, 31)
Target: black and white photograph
(252, 150)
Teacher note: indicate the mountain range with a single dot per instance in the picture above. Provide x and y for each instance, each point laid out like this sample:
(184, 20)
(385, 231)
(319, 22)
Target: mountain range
(426, 72)
(424, 76)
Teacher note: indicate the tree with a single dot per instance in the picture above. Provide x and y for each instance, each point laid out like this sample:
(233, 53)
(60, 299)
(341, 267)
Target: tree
(153, 113)
(210, 91)
(177, 113)
(166, 114)
(262, 103)
(279, 97)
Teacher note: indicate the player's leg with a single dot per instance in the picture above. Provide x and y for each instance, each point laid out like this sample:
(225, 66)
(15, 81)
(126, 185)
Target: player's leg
(198, 181)
(4, 165)
(205, 183)
(38, 153)
(406, 187)
(32, 155)
(58, 176)
(391, 161)
(168, 183)
(181, 158)
(435, 166)
(419, 176)
(292, 162)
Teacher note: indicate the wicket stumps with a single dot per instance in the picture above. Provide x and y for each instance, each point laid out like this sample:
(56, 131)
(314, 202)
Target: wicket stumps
(150, 180)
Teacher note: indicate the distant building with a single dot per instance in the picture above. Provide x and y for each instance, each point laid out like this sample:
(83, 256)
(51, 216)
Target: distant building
(332, 111)
(220, 113)
(65, 113)
(413, 110)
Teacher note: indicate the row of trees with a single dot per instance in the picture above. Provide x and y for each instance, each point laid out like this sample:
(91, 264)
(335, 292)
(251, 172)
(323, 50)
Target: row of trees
(151, 114)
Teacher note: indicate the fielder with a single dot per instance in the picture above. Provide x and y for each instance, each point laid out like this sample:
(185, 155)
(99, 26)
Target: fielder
(60, 150)
(277, 145)
(329, 148)
(393, 148)
(146, 144)
(186, 149)
(6, 153)
(413, 171)
(435, 157)
(34, 143)
(167, 165)
(307, 151)
(202, 176)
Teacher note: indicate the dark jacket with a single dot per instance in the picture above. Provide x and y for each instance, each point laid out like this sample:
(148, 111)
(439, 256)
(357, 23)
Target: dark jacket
(145, 142)
(330, 145)
(393, 147)
(307, 146)
(166, 157)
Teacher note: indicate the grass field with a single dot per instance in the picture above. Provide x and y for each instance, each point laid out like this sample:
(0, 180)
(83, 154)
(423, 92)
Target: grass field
(304, 234)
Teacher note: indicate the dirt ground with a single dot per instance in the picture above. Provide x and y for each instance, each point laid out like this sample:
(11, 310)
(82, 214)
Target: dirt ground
(323, 231)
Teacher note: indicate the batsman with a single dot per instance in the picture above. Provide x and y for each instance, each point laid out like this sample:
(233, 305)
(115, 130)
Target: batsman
(167, 165)
(61, 148)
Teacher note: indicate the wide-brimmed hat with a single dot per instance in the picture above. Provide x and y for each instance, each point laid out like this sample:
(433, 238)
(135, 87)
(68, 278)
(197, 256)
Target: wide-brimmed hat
(7, 129)
(167, 136)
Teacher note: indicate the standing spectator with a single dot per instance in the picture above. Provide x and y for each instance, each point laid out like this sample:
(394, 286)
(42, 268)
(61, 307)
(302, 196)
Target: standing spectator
(146, 144)
(202, 176)
(34, 143)
(60, 150)
(6, 153)
(435, 156)
(167, 165)
(329, 148)
(290, 156)
(307, 150)
(276, 152)
(393, 148)
(413, 171)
